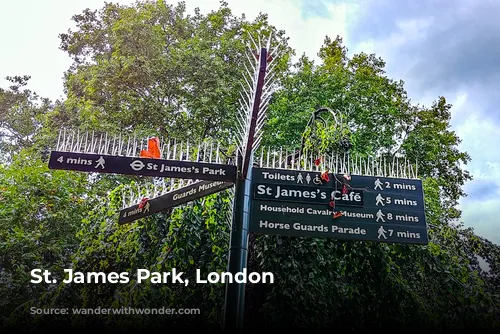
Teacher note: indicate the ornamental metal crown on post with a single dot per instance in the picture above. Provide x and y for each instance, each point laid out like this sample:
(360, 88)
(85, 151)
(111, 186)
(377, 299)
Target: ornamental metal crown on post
(276, 192)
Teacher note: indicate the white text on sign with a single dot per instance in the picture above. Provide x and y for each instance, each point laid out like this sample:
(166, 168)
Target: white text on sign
(279, 193)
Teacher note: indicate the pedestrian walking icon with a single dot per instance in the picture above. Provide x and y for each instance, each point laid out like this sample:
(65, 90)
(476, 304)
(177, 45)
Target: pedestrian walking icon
(382, 232)
(378, 184)
(146, 207)
(380, 200)
(300, 178)
(380, 216)
(100, 162)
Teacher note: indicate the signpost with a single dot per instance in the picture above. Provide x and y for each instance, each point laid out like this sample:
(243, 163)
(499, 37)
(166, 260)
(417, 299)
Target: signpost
(238, 244)
(84, 162)
(295, 203)
(172, 199)
(267, 201)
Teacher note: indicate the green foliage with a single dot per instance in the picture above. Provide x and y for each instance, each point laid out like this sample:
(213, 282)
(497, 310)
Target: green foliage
(434, 146)
(326, 283)
(355, 88)
(190, 238)
(391, 285)
(152, 68)
(380, 119)
(326, 135)
(21, 116)
(40, 213)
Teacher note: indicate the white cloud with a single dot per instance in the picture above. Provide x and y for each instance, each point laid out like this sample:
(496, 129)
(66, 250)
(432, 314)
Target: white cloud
(479, 133)
(480, 136)
(30, 31)
(32, 35)
(306, 33)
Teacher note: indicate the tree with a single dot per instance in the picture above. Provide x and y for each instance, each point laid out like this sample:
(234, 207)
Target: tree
(40, 213)
(381, 121)
(153, 68)
(21, 116)
(430, 142)
(190, 238)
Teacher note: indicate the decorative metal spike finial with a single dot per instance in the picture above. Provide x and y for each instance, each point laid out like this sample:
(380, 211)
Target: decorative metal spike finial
(338, 163)
(257, 87)
(132, 194)
(120, 145)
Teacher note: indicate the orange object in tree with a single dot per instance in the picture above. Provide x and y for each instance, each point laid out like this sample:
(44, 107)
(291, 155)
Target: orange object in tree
(153, 150)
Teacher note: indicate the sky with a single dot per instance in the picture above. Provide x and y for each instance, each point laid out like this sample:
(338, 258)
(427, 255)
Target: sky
(438, 48)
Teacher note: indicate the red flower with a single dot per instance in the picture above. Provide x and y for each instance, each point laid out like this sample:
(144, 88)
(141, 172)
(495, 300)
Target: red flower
(344, 189)
(317, 161)
(324, 176)
(337, 214)
(332, 204)
(143, 202)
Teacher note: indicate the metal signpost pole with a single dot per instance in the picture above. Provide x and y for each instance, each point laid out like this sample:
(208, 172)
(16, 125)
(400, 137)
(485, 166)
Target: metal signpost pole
(234, 308)
(238, 250)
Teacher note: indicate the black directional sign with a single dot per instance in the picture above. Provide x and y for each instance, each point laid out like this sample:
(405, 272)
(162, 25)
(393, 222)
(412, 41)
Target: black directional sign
(342, 230)
(301, 178)
(354, 197)
(172, 199)
(142, 166)
(296, 203)
(313, 212)
(293, 193)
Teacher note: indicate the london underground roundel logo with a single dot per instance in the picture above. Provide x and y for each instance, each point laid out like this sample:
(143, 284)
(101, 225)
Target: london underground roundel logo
(137, 165)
